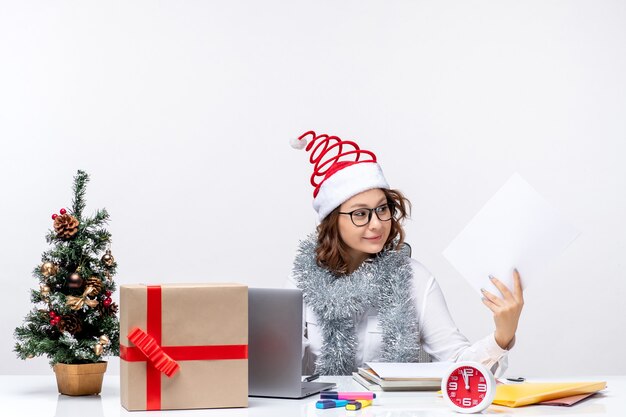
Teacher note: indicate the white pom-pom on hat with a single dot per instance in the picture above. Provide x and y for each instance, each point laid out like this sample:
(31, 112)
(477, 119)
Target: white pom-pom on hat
(298, 143)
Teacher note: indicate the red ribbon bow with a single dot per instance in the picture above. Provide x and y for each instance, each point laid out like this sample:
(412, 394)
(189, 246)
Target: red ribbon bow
(151, 349)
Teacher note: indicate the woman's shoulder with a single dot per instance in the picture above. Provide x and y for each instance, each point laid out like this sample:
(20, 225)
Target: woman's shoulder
(422, 277)
(419, 268)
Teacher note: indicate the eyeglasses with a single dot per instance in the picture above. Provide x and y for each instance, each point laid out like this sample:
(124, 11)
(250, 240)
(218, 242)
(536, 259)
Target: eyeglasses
(362, 216)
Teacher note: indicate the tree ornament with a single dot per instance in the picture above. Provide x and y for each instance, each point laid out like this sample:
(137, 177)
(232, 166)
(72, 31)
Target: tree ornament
(109, 310)
(62, 211)
(75, 280)
(66, 226)
(48, 269)
(94, 282)
(104, 340)
(44, 290)
(52, 314)
(70, 323)
(107, 302)
(98, 349)
(108, 259)
(54, 216)
(76, 303)
(30, 356)
(108, 293)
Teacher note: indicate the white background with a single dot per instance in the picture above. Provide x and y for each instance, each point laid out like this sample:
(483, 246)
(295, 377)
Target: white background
(181, 112)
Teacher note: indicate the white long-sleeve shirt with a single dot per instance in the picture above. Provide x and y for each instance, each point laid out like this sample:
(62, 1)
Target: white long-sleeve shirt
(439, 335)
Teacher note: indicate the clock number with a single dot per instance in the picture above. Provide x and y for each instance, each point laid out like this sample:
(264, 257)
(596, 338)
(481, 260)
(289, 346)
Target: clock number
(468, 387)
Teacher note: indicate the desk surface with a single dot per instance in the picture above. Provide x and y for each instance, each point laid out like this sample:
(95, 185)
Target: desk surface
(22, 396)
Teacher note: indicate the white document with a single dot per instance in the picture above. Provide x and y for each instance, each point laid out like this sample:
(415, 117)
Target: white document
(516, 228)
(430, 370)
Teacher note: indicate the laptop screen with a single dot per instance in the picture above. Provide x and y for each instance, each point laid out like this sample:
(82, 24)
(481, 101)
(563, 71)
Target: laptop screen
(275, 342)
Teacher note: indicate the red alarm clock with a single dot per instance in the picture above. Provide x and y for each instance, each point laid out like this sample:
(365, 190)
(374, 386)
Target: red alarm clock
(468, 387)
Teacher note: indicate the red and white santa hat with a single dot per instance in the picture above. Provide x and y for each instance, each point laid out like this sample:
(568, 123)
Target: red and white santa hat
(341, 170)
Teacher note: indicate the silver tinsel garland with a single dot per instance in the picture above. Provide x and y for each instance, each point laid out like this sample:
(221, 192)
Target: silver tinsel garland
(383, 282)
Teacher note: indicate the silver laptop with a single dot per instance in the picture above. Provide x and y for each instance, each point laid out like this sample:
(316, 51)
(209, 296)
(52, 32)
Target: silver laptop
(275, 345)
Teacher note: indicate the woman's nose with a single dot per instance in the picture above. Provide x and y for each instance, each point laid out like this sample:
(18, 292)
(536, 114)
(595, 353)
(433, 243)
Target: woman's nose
(374, 222)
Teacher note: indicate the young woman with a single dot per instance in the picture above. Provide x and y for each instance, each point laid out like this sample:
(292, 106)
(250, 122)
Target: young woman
(365, 298)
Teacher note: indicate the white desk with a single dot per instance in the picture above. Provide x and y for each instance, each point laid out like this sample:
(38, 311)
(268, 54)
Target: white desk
(25, 396)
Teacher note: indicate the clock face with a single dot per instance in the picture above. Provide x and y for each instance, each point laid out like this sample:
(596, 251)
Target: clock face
(469, 387)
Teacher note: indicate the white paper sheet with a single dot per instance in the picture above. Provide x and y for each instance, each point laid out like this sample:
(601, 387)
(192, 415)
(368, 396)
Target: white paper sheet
(516, 228)
(430, 370)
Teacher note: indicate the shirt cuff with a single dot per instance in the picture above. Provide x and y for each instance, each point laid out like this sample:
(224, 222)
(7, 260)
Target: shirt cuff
(497, 357)
(493, 348)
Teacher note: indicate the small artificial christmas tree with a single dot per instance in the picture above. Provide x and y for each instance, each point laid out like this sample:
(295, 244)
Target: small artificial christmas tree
(74, 319)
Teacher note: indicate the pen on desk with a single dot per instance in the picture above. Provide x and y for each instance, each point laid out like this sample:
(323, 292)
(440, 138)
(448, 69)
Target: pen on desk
(311, 378)
(347, 395)
(518, 379)
(358, 404)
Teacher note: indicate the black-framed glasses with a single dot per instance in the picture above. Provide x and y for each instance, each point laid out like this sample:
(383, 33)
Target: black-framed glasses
(362, 216)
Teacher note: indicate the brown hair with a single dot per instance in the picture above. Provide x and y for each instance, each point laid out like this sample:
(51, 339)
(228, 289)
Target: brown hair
(332, 252)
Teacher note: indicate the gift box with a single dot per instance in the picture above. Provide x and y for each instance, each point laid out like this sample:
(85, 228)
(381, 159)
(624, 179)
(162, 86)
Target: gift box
(183, 346)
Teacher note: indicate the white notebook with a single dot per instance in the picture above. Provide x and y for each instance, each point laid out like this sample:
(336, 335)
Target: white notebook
(393, 370)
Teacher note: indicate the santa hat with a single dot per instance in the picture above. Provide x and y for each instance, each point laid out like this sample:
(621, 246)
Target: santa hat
(341, 170)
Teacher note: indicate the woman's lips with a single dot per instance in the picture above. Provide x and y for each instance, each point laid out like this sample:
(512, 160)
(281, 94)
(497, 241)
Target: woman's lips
(372, 239)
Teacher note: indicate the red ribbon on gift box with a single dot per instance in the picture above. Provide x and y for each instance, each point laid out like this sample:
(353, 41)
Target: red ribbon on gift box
(163, 358)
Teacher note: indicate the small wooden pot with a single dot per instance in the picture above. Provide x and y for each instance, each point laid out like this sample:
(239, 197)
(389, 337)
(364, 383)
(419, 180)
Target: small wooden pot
(81, 379)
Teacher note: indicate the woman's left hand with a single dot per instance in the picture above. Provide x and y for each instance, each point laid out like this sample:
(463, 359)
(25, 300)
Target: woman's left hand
(506, 310)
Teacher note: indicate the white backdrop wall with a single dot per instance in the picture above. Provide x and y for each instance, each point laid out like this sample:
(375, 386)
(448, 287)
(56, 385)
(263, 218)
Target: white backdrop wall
(181, 112)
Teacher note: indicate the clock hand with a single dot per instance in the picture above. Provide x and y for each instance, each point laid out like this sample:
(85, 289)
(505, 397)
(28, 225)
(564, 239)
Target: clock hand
(465, 378)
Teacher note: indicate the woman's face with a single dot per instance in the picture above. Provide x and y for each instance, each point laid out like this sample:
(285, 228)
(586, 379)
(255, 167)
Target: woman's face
(369, 239)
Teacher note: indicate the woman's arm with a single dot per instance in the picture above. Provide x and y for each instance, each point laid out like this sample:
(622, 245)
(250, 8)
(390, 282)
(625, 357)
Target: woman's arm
(440, 336)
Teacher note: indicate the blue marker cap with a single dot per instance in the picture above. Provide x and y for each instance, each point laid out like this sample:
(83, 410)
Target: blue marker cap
(330, 403)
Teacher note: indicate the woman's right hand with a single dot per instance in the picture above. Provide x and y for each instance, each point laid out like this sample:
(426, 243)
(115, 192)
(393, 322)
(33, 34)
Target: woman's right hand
(506, 310)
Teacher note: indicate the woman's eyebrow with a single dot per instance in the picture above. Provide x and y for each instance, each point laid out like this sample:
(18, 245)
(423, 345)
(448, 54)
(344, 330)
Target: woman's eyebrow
(361, 205)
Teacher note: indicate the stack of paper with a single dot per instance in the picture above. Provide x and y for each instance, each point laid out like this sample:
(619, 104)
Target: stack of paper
(401, 376)
(517, 395)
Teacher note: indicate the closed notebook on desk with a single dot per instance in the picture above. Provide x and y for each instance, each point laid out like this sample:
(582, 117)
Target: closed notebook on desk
(517, 395)
(401, 376)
